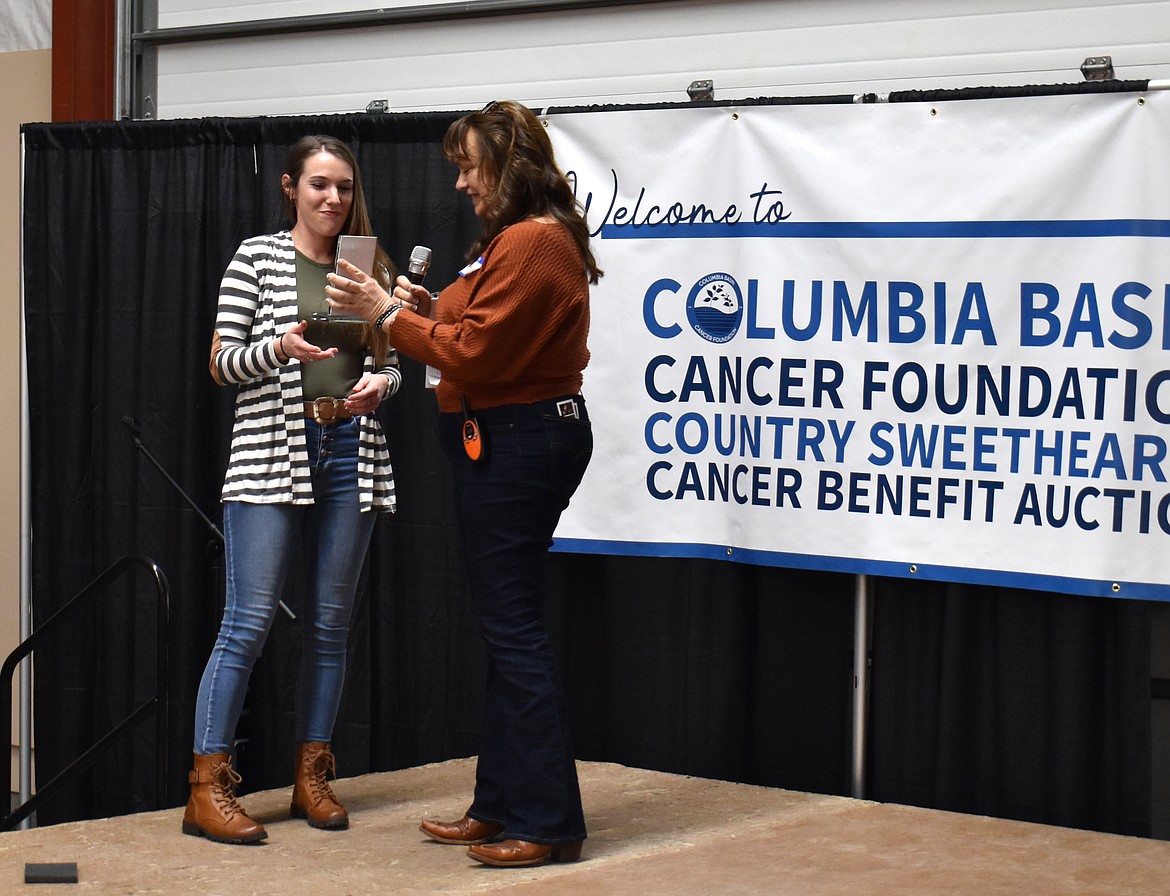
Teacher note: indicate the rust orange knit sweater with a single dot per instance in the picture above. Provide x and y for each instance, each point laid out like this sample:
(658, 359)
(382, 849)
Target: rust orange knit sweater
(511, 330)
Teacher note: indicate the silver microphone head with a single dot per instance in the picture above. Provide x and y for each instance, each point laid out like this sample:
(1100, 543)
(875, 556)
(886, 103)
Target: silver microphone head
(420, 261)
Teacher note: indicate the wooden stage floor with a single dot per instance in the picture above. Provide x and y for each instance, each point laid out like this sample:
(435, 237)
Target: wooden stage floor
(650, 833)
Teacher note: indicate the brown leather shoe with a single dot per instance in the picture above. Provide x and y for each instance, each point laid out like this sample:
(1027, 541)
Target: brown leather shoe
(312, 797)
(212, 809)
(521, 853)
(467, 831)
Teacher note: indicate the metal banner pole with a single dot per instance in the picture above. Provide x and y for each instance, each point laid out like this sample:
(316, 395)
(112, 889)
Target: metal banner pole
(25, 687)
(861, 608)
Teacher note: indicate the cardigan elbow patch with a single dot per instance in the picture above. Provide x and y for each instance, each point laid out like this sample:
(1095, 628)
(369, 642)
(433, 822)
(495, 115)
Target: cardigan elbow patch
(212, 364)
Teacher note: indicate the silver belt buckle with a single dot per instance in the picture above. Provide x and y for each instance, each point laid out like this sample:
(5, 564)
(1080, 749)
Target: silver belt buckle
(567, 407)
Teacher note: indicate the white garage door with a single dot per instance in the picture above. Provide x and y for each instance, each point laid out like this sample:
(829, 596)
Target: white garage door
(272, 57)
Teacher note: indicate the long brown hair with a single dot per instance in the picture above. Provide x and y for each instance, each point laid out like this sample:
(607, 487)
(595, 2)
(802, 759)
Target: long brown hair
(358, 222)
(516, 158)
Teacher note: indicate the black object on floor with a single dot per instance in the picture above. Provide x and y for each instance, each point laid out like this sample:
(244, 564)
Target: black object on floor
(50, 872)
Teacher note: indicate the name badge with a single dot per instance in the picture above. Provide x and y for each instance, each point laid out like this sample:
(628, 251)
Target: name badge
(472, 268)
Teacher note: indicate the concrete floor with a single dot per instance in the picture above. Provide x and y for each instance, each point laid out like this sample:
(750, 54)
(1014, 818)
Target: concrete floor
(650, 833)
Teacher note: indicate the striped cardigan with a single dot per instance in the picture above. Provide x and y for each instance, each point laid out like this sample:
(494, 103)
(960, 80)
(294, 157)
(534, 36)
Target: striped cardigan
(269, 461)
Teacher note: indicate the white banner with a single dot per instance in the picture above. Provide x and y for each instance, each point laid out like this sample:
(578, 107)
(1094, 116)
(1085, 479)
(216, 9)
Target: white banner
(900, 339)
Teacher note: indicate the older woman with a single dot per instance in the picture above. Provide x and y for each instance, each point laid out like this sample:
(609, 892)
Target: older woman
(509, 338)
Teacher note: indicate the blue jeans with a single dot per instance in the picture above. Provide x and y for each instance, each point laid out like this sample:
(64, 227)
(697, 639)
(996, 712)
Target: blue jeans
(262, 541)
(508, 506)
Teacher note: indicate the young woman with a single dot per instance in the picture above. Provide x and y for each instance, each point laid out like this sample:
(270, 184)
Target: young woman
(509, 339)
(308, 473)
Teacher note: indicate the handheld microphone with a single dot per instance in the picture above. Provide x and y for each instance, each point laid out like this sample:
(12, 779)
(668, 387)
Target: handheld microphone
(419, 264)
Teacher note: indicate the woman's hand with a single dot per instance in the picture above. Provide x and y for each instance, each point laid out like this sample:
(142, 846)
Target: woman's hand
(412, 296)
(356, 293)
(365, 397)
(293, 344)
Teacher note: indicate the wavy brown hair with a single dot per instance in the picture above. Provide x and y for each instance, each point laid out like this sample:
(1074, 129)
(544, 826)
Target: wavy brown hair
(516, 158)
(358, 222)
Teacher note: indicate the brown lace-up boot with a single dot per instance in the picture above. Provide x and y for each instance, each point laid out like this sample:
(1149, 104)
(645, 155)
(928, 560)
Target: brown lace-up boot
(212, 810)
(312, 797)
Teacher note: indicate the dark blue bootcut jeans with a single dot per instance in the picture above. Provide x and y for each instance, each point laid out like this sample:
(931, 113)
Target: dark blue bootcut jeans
(509, 503)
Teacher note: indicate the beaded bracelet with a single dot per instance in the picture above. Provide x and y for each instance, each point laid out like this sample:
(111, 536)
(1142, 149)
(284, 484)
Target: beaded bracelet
(385, 315)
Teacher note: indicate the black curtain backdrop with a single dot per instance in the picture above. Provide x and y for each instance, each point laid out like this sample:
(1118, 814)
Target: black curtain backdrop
(1017, 704)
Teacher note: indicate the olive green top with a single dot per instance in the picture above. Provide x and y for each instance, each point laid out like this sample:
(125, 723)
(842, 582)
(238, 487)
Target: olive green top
(334, 376)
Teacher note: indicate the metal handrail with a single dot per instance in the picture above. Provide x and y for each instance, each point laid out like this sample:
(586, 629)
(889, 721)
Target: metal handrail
(160, 702)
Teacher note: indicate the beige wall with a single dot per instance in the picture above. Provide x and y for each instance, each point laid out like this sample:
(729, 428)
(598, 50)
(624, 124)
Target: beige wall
(31, 101)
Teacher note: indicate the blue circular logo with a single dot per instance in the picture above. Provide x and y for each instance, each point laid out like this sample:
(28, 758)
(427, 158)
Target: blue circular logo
(715, 308)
